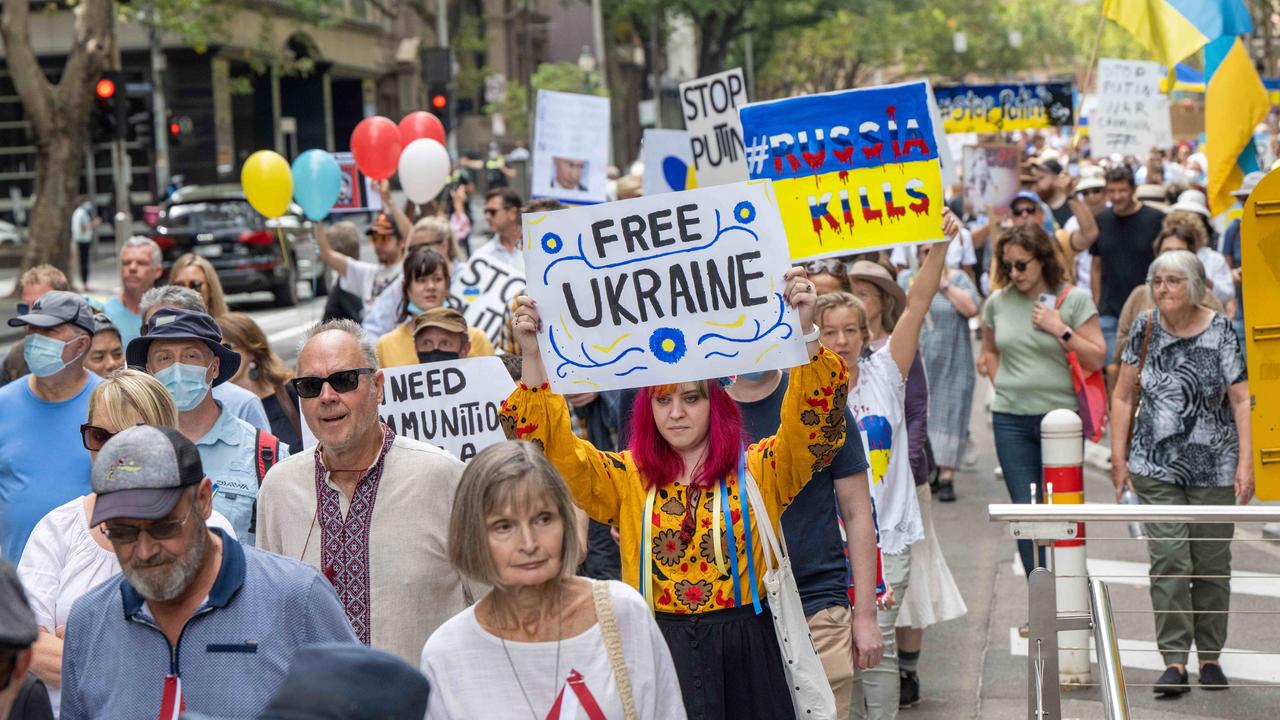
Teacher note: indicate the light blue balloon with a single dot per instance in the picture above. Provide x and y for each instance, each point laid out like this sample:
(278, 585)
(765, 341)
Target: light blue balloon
(317, 181)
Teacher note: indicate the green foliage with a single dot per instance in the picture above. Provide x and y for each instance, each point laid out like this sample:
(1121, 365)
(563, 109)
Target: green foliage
(562, 77)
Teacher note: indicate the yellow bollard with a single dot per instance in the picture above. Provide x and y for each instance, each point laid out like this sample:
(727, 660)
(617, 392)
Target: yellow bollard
(1260, 277)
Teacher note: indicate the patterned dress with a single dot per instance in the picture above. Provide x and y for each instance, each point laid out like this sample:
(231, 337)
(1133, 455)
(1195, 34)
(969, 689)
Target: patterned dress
(946, 347)
(687, 577)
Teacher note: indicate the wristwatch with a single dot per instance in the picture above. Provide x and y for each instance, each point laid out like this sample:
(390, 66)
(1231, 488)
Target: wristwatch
(1066, 335)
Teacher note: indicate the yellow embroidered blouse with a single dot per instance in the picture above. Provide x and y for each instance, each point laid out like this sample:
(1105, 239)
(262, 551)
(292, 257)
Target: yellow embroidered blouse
(607, 486)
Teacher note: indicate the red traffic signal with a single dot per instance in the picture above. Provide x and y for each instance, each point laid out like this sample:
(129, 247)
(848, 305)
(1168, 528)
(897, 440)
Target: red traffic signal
(106, 88)
(175, 129)
(439, 101)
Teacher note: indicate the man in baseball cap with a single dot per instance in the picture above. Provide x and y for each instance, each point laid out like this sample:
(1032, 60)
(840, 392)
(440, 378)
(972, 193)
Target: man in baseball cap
(183, 349)
(206, 622)
(42, 412)
(441, 334)
(22, 694)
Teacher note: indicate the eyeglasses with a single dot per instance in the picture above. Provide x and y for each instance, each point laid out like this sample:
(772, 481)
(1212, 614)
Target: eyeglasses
(94, 437)
(196, 285)
(162, 530)
(1019, 265)
(1024, 211)
(343, 381)
(1092, 191)
(1172, 281)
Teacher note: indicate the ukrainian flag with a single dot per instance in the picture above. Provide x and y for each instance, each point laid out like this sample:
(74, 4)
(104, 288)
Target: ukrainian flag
(1175, 29)
(1235, 102)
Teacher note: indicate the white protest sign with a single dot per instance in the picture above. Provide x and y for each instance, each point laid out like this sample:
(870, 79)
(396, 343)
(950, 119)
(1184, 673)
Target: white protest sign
(668, 161)
(571, 147)
(671, 288)
(453, 405)
(482, 290)
(710, 107)
(946, 158)
(1132, 115)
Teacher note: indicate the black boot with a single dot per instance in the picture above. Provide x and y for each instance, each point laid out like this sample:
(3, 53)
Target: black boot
(908, 689)
(946, 491)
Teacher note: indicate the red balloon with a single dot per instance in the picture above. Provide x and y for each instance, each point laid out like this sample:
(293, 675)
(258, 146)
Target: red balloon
(376, 144)
(420, 124)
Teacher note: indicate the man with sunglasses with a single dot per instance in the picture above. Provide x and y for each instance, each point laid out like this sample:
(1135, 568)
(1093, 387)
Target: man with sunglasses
(1091, 191)
(367, 507)
(183, 349)
(196, 621)
(502, 213)
(42, 463)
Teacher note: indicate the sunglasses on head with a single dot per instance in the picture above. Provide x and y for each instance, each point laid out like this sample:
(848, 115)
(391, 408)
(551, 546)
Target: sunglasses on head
(343, 381)
(1024, 210)
(196, 285)
(1019, 265)
(94, 437)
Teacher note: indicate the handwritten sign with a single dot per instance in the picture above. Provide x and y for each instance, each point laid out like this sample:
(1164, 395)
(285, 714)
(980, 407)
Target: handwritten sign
(668, 161)
(710, 106)
(990, 177)
(482, 290)
(854, 170)
(671, 288)
(452, 404)
(571, 147)
(1132, 114)
(1004, 107)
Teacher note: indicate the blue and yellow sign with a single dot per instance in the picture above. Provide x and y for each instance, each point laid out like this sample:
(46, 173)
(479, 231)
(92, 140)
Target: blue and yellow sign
(1006, 107)
(853, 171)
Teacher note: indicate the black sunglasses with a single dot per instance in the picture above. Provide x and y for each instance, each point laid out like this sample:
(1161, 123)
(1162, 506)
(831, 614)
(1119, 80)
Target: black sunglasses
(196, 285)
(343, 381)
(1019, 265)
(1092, 191)
(94, 437)
(1024, 210)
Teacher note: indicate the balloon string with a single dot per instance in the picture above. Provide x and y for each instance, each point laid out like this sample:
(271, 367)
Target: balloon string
(283, 252)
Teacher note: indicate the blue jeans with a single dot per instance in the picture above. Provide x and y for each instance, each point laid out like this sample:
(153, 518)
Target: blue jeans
(1109, 324)
(1018, 449)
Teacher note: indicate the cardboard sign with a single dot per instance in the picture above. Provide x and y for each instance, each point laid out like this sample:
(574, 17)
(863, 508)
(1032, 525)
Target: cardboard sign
(990, 177)
(482, 289)
(710, 107)
(453, 405)
(1005, 107)
(1132, 115)
(668, 161)
(664, 289)
(854, 170)
(571, 147)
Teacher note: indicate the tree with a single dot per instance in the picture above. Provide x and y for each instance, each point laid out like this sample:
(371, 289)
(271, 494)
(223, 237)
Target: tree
(59, 117)
(561, 76)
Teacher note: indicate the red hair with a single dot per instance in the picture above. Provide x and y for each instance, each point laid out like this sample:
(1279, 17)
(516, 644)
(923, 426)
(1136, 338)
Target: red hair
(660, 465)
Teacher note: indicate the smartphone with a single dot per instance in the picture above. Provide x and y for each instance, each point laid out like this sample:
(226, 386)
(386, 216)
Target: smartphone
(1048, 299)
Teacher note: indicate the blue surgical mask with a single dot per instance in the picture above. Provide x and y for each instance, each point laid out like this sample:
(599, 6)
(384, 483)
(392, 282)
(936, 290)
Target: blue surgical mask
(413, 309)
(43, 355)
(754, 376)
(185, 383)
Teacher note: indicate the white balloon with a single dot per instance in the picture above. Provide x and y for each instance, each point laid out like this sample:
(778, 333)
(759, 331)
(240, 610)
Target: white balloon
(424, 169)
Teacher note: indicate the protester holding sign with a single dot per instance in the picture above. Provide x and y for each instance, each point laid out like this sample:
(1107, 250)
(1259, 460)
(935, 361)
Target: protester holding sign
(686, 448)
(426, 286)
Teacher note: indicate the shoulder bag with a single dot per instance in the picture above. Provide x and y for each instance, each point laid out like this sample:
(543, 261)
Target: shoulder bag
(613, 645)
(1091, 389)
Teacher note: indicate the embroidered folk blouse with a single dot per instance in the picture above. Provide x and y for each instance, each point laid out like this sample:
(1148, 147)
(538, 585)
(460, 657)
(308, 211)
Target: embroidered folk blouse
(686, 577)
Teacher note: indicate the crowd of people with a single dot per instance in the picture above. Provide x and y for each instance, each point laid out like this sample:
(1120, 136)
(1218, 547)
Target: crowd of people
(159, 503)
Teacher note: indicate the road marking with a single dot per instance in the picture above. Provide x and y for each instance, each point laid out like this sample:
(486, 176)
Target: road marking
(1142, 655)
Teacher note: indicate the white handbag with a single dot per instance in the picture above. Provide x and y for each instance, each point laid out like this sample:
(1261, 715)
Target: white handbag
(811, 695)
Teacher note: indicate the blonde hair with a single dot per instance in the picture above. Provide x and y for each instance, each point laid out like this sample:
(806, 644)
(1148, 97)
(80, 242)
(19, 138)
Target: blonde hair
(129, 396)
(831, 301)
(217, 301)
(511, 472)
(46, 274)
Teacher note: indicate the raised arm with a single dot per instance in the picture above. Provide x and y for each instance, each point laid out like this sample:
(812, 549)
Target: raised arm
(403, 224)
(906, 334)
(1087, 234)
(328, 255)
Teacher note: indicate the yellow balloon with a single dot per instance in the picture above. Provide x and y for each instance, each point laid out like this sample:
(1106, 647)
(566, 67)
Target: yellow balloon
(267, 183)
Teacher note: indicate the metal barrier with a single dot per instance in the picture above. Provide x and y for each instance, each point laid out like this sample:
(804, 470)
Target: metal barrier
(1045, 524)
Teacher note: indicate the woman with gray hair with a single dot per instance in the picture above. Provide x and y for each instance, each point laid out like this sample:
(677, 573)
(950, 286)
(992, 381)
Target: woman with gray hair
(1188, 443)
(512, 528)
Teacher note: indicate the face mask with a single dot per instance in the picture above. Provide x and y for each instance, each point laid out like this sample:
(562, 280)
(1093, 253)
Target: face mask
(185, 383)
(413, 309)
(754, 376)
(430, 356)
(43, 355)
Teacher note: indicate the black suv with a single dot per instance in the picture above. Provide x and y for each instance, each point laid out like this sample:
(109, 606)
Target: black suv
(217, 223)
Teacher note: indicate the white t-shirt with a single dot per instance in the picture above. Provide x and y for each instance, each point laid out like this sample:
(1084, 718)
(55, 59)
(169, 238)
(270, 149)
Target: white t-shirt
(471, 676)
(495, 250)
(61, 562)
(366, 280)
(878, 403)
(1219, 273)
(959, 252)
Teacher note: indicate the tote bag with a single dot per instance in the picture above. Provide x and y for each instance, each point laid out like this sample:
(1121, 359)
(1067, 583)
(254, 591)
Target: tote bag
(1091, 390)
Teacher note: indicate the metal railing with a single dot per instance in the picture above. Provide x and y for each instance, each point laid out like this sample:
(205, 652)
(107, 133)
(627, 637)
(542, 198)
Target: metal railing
(1045, 524)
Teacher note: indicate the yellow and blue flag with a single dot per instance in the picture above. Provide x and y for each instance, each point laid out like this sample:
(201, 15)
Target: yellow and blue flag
(1175, 29)
(1235, 102)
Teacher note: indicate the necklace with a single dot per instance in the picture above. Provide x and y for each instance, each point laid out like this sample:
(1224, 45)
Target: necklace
(559, 637)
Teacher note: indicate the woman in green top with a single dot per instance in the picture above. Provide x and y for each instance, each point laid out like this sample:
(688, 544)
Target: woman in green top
(1026, 335)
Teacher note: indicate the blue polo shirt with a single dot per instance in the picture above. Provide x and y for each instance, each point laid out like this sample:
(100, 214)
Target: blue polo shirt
(232, 655)
(228, 453)
(127, 322)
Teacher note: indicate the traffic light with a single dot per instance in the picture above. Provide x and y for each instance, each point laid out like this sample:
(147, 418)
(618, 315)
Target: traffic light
(437, 77)
(179, 127)
(111, 108)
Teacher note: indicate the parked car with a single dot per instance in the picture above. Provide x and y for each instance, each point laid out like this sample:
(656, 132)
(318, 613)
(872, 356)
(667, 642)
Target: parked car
(217, 223)
(9, 234)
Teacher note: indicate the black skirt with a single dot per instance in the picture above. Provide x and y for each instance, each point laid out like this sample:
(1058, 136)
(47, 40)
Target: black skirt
(729, 664)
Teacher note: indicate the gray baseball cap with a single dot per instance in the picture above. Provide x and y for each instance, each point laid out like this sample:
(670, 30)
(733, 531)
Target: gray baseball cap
(17, 622)
(57, 307)
(141, 472)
